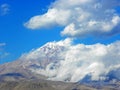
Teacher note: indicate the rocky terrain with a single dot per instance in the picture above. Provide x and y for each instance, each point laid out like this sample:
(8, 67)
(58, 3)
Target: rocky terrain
(51, 85)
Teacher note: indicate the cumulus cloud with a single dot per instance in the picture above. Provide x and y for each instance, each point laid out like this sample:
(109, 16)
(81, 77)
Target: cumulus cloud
(4, 9)
(74, 62)
(80, 17)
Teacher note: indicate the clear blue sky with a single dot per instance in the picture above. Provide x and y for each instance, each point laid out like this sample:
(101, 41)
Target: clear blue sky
(19, 39)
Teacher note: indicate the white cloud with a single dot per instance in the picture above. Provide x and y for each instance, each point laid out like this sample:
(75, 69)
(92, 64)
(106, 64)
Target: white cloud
(64, 61)
(80, 17)
(4, 9)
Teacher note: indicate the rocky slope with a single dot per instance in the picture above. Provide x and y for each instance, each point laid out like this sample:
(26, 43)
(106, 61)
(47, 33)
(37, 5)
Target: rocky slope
(51, 85)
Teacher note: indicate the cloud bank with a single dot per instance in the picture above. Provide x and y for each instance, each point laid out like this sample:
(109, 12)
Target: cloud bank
(80, 17)
(74, 62)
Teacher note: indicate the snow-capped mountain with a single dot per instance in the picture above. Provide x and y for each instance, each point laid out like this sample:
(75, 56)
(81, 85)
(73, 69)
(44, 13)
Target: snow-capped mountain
(63, 61)
(49, 53)
(34, 60)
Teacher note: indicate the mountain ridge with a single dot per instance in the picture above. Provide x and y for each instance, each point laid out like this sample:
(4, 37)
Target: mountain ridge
(29, 69)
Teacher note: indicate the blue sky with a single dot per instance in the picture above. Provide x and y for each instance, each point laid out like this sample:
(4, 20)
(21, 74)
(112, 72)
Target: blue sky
(19, 39)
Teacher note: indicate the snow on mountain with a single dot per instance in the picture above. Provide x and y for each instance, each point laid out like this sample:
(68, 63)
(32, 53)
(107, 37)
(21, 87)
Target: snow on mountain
(50, 52)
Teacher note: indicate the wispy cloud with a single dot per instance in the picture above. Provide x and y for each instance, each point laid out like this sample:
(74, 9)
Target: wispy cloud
(3, 53)
(4, 9)
(80, 17)
(2, 44)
